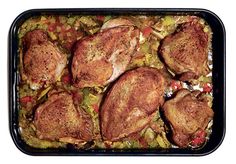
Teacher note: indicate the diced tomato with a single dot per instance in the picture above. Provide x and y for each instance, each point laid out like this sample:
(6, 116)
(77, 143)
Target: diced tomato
(175, 85)
(143, 142)
(147, 31)
(197, 142)
(26, 99)
(52, 27)
(100, 18)
(199, 138)
(96, 108)
(201, 134)
(207, 87)
(66, 79)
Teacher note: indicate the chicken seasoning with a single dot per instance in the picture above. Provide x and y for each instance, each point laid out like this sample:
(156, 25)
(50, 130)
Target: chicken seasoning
(115, 82)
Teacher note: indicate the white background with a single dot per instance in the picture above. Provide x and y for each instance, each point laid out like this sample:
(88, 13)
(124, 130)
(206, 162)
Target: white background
(224, 9)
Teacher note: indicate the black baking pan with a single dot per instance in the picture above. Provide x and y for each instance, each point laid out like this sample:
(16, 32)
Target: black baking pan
(219, 81)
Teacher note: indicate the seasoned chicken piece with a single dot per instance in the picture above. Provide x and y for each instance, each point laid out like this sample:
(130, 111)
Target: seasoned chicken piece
(34, 37)
(131, 102)
(43, 62)
(116, 22)
(59, 119)
(187, 114)
(185, 52)
(101, 58)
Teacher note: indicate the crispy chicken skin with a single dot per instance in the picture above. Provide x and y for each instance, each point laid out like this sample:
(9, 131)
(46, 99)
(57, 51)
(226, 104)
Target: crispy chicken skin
(34, 37)
(59, 119)
(131, 102)
(101, 58)
(43, 62)
(185, 52)
(116, 22)
(187, 114)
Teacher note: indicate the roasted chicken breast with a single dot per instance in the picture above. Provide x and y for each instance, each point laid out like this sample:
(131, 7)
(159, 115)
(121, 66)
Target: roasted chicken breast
(186, 114)
(185, 52)
(43, 62)
(130, 103)
(59, 119)
(102, 57)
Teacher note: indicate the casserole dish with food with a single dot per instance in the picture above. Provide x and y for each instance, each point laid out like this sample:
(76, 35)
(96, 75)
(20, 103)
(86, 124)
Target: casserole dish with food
(117, 81)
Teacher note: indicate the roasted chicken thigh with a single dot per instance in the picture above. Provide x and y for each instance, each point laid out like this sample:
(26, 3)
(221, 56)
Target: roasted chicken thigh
(59, 119)
(185, 52)
(186, 114)
(43, 62)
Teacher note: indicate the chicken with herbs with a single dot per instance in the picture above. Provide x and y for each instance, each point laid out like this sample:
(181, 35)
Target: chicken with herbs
(185, 52)
(187, 114)
(43, 61)
(58, 119)
(131, 102)
(100, 58)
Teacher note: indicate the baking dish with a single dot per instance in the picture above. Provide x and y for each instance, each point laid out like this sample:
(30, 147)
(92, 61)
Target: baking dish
(218, 80)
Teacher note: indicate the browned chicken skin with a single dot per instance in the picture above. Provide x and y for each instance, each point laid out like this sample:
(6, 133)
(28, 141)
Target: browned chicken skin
(186, 114)
(116, 22)
(43, 62)
(130, 103)
(101, 58)
(59, 119)
(186, 51)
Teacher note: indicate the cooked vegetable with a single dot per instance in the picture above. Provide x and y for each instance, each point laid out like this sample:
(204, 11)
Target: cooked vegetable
(147, 31)
(162, 141)
(26, 99)
(199, 138)
(207, 87)
(175, 85)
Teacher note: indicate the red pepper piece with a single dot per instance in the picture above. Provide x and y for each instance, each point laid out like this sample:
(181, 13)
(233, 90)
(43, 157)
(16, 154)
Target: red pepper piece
(207, 87)
(175, 85)
(147, 31)
(199, 138)
(95, 108)
(52, 27)
(26, 99)
(66, 79)
(101, 18)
